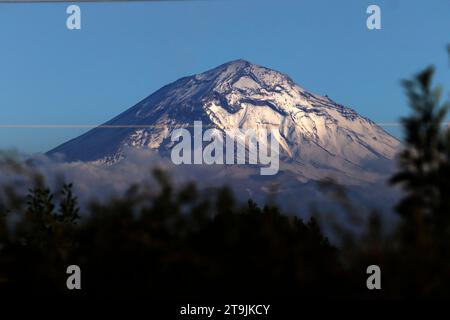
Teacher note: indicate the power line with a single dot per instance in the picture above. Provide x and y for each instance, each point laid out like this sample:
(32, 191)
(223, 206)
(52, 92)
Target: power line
(80, 1)
(141, 126)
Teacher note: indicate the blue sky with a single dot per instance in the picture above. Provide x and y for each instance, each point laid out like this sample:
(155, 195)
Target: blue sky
(126, 51)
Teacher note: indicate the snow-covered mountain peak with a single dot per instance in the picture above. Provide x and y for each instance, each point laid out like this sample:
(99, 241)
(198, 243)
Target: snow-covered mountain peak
(318, 137)
(242, 74)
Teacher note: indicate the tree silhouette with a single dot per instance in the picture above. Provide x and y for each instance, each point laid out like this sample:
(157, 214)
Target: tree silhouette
(424, 162)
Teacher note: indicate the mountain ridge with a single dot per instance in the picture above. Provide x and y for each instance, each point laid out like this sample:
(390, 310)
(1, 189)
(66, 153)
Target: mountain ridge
(318, 137)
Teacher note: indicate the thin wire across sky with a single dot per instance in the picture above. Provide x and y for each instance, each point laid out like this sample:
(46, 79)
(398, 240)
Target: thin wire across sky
(107, 126)
(75, 1)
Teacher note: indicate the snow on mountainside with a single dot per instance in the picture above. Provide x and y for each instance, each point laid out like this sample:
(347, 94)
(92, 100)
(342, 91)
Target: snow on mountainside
(318, 137)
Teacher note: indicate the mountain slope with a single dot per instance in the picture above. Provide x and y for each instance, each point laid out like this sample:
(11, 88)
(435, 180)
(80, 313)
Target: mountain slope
(318, 137)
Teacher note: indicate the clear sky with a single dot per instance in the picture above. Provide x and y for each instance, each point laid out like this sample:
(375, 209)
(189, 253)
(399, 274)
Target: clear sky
(126, 51)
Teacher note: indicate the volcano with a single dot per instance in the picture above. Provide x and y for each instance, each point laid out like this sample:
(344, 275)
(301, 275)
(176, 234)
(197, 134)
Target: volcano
(318, 137)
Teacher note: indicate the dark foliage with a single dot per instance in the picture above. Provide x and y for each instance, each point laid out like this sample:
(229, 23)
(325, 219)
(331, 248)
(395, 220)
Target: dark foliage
(177, 244)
